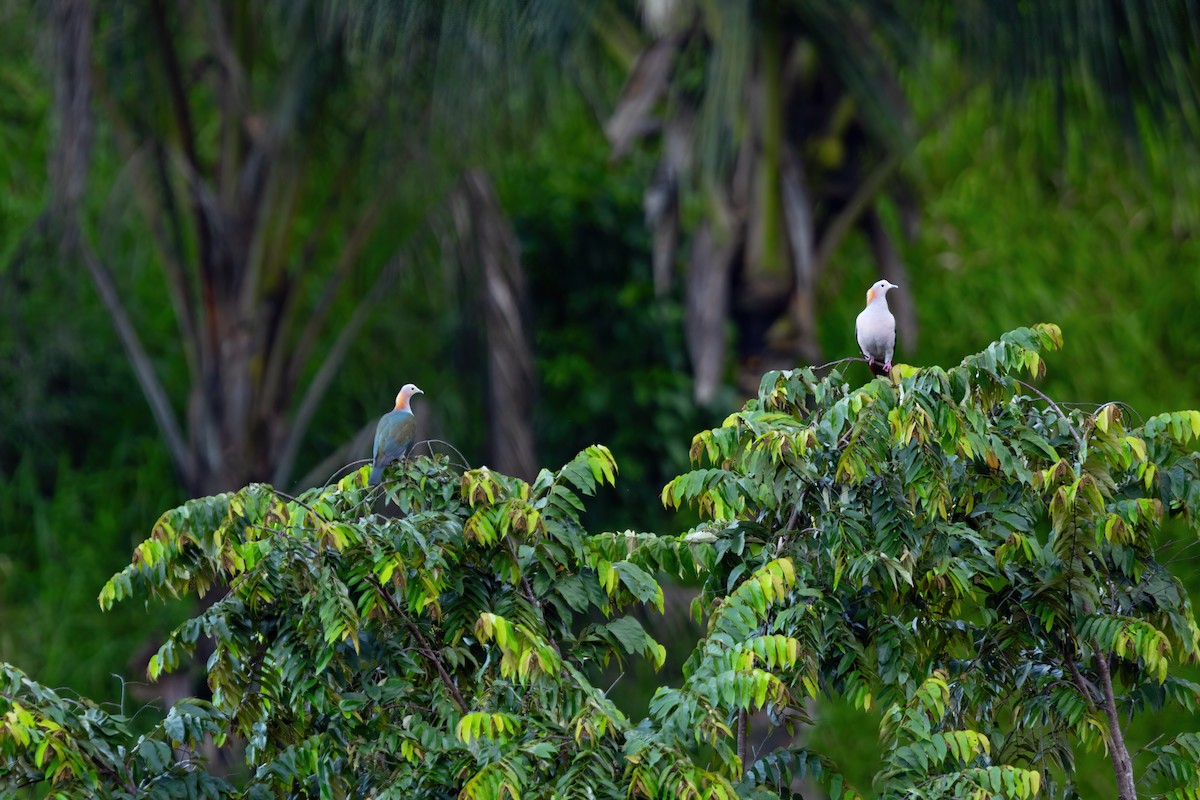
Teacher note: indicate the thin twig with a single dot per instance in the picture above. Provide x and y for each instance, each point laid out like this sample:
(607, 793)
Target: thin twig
(298, 502)
(347, 468)
(462, 459)
(1077, 676)
(840, 361)
(1057, 408)
(423, 646)
(529, 595)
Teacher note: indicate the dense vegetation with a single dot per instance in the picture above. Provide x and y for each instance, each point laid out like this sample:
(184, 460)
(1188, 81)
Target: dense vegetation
(950, 546)
(1000, 211)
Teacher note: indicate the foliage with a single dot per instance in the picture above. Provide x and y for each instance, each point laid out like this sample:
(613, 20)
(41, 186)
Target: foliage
(77, 747)
(1095, 248)
(970, 558)
(948, 521)
(352, 647)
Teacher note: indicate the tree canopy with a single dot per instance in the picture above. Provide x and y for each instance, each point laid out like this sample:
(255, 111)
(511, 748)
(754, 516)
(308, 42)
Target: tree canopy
(950, 547)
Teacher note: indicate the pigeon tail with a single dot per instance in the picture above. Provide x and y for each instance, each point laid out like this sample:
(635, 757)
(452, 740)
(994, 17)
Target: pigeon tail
(376, 476)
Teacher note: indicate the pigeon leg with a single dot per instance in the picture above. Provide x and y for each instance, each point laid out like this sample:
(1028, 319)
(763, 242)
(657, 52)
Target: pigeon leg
(887, 366)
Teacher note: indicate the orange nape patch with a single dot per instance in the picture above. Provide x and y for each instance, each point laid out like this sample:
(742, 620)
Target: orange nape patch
(871, 295)
(401, 403)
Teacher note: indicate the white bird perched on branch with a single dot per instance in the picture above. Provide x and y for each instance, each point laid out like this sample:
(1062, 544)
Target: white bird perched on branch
(875, 329)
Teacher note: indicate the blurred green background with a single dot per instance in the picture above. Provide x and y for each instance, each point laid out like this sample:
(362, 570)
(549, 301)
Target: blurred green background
(676, 196)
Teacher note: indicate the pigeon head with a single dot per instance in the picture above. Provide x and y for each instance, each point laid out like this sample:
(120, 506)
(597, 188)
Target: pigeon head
(879, 289)
(405, 393)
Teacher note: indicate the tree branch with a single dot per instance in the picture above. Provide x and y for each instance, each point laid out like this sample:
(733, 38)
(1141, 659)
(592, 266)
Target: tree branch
(183, 112)
(283, 367)
(70, 156)
(423, 646)
(187, 135)
(327, 469)
(797, 214)
(859, 202)
(874, 182)
(1055, 406)
(742, 725)
(527, 590)
(1080, 682)
(329, 369)
(156, 199)
(1118, 752)
(178, 285)
(152, 388)
(179, 102)
(233, 92)
(347, 261)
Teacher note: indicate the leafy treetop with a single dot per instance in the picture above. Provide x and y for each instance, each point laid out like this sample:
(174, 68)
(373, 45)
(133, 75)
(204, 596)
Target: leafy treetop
(949, 547)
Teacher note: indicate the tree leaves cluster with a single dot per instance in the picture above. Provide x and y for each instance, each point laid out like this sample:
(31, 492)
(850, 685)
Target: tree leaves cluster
(950, 548)
(958, 523)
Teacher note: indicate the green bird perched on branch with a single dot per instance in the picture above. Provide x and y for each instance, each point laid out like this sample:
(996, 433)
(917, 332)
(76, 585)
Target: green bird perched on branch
(394, 435)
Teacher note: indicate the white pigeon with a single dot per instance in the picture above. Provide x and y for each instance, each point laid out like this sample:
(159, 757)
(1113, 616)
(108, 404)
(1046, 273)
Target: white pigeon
(875, 329)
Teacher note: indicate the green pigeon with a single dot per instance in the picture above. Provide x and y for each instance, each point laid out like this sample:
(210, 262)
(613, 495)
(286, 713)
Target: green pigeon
(394, 435)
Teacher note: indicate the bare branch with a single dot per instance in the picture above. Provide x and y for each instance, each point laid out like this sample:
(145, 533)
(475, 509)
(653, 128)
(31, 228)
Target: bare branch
(71, 155)
(1117, 750)
(423, 646)
(707, 307)
(874, 182)
(1055, 406)
(187, 136)
(797, 214)
(157, 200)
(171, 249)
(255, 198)
(283, 365)
(1082, 684)
(332, 464)
(69, 167)
(646, 85)
(233, 92)
(859, 202)
(743, 723)
(348, 261)
(329, 368)
(152, 388)
(183, 112)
